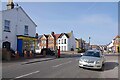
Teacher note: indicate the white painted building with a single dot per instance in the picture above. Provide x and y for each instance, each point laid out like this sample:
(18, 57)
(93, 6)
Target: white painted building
(66, 41)
(16, 25)
(110, 46)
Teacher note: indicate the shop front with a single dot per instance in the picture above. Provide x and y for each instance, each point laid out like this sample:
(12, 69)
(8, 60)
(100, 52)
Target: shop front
(26, 43)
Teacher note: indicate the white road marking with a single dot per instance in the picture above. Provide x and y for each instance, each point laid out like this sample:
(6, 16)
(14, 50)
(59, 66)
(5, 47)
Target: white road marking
(26, 74)
(62, 64)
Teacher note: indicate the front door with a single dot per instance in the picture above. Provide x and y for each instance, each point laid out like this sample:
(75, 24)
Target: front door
(19, 46)
(6, 45)
(118, 49)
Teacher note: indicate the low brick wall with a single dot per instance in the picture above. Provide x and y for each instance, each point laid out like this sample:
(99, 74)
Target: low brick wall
(6, 55)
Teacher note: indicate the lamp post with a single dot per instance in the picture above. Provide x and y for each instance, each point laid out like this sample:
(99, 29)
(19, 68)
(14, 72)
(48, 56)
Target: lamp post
(89, 42)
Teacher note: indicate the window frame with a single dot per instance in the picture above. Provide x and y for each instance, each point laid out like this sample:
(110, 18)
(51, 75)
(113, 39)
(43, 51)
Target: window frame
(26, 30)
(7, 26)
(65, 41)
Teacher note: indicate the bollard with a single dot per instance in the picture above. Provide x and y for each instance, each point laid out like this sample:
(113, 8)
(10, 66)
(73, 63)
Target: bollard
(30, 54)
(25, 54)
(16, 55)
(58, 53)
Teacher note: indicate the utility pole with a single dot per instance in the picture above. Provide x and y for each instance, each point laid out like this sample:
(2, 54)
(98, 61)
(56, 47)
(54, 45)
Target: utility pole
(89, 42)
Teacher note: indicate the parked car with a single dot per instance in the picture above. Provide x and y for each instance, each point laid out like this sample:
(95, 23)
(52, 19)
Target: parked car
(93, 59)
(47, 51)
(38, 51)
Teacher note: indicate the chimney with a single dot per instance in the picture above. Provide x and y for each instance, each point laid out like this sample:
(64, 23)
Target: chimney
(71, 31)
(52, 33)
(36, 35)
(10, 4)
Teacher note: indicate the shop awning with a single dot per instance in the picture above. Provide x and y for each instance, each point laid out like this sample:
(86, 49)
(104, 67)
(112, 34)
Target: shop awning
(26, 37)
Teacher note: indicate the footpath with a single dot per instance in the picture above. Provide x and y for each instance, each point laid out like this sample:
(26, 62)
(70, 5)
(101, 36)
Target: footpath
(27, 61)
(112, 54)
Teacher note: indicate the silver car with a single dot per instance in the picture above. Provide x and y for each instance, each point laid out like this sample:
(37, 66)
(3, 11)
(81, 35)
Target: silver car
(93, 59)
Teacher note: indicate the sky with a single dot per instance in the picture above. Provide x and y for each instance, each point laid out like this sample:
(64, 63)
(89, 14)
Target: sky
(98, 20)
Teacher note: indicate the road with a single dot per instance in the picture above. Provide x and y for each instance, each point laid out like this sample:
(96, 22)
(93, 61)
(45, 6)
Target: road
(65, 67)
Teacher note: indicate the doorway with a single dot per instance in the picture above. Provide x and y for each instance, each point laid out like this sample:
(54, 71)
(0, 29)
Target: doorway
(6, 45)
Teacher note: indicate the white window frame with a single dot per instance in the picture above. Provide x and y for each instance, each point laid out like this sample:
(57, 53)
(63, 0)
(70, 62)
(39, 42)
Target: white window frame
(26, 30)
(7, 25)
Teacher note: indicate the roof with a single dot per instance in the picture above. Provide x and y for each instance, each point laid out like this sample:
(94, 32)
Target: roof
(23, 11)
(76, 39)
(26, 36)
(46, 35)
(63, 34)
(57, 35)
(117, 36)
(39, 36)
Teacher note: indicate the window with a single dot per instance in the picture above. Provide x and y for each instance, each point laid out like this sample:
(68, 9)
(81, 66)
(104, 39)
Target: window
(64, 48)
(26, 30)
(7, 25)
(65, 41)
(92, 54)
(62, 41)
(59, 41)
(43, 41)
(50, 41)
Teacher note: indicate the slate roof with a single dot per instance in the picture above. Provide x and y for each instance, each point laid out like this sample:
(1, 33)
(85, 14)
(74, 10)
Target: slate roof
(64, 34)
(57, 35)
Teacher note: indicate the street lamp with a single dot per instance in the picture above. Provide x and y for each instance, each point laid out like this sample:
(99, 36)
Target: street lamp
(89, 42)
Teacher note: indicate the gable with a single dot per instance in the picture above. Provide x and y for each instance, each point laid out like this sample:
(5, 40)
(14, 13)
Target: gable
(50, 37)
(57, 36)
(64, 37)
(20, 9)
(27, 15)
(43, 37)
(62, 34)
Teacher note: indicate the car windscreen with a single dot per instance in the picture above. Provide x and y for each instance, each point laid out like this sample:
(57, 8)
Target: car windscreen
(91, 53)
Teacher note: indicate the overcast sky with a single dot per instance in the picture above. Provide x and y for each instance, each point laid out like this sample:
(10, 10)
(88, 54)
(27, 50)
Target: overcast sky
(99, 20)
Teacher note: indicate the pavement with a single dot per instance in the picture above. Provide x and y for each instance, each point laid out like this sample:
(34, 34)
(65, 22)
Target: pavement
(28, 60)
(112, 54)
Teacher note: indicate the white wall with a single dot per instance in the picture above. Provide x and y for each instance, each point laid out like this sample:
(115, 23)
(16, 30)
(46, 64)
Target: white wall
(10, 15)
(111, 44)
(17, 21)
(71, 43)
(0, 29)
(63, 37)
(24, 20)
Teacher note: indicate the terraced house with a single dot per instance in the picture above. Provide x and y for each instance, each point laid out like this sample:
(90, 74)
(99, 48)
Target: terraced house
(43, 41)
(48, 41)
(64, 41)
(52, 41)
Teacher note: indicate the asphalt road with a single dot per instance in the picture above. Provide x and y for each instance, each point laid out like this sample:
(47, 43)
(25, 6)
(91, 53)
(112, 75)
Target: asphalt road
(66, 67)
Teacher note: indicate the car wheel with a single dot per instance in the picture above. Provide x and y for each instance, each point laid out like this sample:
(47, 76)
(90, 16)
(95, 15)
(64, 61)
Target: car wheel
(102, 68)
(80, 67)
